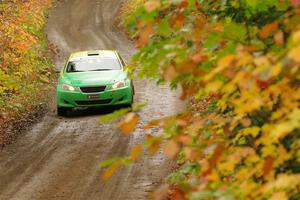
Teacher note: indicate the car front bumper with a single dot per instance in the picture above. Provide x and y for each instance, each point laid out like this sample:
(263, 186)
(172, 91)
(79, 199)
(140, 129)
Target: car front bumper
(74, 99)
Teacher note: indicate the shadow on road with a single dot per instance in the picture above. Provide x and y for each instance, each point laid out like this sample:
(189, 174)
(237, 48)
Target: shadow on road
(86, 112)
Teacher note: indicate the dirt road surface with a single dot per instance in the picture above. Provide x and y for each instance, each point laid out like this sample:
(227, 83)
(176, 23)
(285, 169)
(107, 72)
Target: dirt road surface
(59, 157)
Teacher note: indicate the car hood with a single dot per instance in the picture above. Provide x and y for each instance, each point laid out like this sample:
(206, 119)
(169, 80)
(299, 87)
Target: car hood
(94, 78)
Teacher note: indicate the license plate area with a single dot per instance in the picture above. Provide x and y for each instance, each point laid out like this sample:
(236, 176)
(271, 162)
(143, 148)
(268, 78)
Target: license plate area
(93, 96)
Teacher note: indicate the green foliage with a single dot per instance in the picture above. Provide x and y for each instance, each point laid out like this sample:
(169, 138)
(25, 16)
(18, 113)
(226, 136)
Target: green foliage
(243, 55)
(26, 67)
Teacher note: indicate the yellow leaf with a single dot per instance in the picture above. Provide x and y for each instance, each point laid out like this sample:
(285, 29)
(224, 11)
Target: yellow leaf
(213, 176)
(279, 196)
(213, 87)
(223, 63)
(275, 71)
(226, 61)
(294, 54)
(227, 166)
(283, 181)
(253, 131)
(129, 123)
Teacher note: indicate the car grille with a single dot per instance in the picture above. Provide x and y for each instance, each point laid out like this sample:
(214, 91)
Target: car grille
(94, 102)
(93, 89)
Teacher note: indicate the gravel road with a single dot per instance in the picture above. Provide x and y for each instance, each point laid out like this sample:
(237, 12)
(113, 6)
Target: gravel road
(59, 158)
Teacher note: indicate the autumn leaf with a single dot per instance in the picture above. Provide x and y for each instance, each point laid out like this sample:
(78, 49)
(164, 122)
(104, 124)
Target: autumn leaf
(161, 193)
(177, 194)
(187, 91)
(262, 84)
(295, 3)
(294, 54)
(177, 20)
(214, 159)
(171, 149)
(248, 66)
(144, 35)
(279, 196)
(136, 152)
(170, 73)
(182, 4)
(107, 173)
(129, 123)
(268, 30)
(150, 6)
(187, 66)
(198, 57)
(279, 38)
(185, 139)
(268, 165)
(246, 122)
(153, 144)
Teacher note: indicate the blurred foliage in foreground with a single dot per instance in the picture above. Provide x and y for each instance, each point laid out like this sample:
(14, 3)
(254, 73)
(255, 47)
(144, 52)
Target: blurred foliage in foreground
(24, 59)
(244, 56)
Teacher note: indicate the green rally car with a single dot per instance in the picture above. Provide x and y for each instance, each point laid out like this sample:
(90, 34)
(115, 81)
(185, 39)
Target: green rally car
(93, 79)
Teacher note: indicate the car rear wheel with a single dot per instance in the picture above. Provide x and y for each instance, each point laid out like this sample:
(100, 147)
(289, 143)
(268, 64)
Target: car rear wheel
(61, 111)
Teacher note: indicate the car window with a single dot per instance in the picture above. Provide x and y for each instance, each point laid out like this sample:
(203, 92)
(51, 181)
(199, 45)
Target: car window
(94, 64)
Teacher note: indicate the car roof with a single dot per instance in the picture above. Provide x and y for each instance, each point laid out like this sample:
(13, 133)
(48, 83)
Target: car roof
(93, 53)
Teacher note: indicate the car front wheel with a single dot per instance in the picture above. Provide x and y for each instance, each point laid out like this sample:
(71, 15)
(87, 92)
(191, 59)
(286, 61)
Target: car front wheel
(62, 111)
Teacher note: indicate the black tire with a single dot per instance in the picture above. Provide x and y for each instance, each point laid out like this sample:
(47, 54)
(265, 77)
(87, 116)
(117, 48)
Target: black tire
(62, 111)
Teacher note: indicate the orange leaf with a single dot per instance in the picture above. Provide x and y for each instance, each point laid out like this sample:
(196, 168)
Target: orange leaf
(176, 194)
(136, 152)
(177, 20)
(171, 149)
(268, 165)
(144, 35)
(279, 38)
(129, 123)
(212, 161)
(110, 171)
(192, 153)
(268, 30)
(198, 57)
(246, 122)
(169, 73)
(187, 91)
(182, 4)
(161, 193)
(187, 66)
(185, 139)
(154, 144)
(152, 124)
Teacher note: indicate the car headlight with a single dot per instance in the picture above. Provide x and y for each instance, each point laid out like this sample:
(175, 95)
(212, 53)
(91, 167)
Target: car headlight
(118, 84)
(68, 87)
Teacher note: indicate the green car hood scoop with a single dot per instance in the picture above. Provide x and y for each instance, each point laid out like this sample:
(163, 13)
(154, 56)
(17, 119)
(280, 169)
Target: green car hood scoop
(95, 78)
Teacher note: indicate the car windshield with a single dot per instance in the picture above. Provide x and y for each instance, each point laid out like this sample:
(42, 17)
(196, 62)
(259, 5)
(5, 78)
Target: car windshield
(94, 64)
